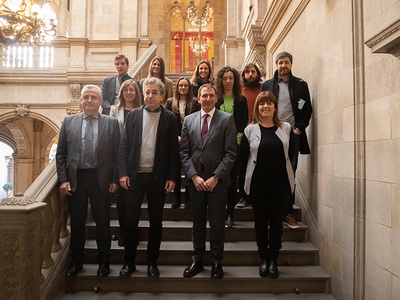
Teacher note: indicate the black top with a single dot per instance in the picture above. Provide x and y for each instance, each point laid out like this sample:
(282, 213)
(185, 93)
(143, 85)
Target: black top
(270, 171)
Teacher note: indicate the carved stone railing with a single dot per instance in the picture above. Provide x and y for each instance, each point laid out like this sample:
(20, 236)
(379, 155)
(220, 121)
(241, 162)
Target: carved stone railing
(141, 67)
(32, 234)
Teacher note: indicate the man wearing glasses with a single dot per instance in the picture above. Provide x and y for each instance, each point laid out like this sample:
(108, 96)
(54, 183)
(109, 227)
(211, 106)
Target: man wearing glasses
(147, 164)
(208, 153)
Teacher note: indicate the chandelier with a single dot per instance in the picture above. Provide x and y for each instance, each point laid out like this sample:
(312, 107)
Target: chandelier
(22, 22)
(199, 19)
(198, 47)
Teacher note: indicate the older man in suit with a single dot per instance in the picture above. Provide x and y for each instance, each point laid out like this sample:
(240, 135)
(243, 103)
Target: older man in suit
(111, 85)
(208, 153)
(86, 167)
(147, 164)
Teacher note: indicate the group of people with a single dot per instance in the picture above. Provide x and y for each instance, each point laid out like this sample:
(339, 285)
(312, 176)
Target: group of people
(135, 138)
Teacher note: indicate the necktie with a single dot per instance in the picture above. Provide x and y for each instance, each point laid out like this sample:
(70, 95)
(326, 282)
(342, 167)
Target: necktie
(88, 159)
(204, 128)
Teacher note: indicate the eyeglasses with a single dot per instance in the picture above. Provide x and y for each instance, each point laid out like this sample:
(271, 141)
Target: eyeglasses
(154, 93)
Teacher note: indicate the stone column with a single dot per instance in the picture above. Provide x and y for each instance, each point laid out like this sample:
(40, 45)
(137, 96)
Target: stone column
(20, 248)
(37, 132)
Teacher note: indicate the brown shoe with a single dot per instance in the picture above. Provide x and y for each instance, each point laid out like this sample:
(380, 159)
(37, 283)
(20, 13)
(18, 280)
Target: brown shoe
(195, 268)
(216, 271)
(290, 221)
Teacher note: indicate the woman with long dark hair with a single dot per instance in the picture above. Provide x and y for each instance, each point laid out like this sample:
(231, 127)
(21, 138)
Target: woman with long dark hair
(182, 104)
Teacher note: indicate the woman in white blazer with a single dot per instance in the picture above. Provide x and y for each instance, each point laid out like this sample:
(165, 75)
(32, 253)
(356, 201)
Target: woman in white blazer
(268, 177)
(128, 99)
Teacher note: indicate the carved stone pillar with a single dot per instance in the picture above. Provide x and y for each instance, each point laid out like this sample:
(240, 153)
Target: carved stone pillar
(37, 131)
(20, 248)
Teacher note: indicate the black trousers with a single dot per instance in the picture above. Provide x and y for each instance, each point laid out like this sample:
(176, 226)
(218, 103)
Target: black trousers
(155, 192)
(88, 189)
(212, 204)
(268, 209)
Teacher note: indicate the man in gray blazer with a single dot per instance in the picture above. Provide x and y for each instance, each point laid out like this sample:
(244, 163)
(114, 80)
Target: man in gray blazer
(86, 166)
(208, 153)
(111, 85)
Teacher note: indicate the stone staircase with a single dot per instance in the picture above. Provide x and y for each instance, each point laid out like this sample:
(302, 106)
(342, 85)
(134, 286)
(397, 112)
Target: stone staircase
(298, 261)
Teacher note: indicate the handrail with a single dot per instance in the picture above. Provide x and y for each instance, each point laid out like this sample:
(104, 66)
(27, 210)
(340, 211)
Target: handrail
(140, 68)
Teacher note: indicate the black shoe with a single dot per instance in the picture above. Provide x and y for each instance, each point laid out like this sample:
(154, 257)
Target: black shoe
(264, 269)
(127, 270)
(195, 268)
(74, 269)
(175, 204)
(152, 271)
(229, 223)
(273, 269)
(216, 271)
(121, 241)
(104, 269)
(187, 205)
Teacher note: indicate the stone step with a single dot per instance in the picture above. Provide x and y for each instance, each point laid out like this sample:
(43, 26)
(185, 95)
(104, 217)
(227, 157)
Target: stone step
(182, 231)
(181, 214)
(235, 253)
(237, 279)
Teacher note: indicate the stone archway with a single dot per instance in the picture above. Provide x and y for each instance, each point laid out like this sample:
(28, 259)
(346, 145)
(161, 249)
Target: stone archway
(31, 137)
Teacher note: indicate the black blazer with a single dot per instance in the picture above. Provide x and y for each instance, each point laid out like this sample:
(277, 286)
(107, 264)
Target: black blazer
(298, 89)
(166, 156)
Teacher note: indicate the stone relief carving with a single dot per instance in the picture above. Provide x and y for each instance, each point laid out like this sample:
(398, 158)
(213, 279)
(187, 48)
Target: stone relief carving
(22, 109)
(18, 200)
(37, 125)
(74, 106)
(259, 54)
(12, 267)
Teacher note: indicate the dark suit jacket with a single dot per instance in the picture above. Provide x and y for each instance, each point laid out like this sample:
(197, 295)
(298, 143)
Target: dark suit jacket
(108, 91)
(69, 149)
(218, 153)
(166, 155)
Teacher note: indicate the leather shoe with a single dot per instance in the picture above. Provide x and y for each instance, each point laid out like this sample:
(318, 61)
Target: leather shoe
(74, 269)
(175, 204)
(230, 223)
(104, 269)
(127, 270)
(273, 269)
(216, 271)
(195, 268)
(152, 271)
(264, 269)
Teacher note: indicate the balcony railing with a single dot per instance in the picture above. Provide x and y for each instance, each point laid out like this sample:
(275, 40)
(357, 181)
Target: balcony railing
(27, 57)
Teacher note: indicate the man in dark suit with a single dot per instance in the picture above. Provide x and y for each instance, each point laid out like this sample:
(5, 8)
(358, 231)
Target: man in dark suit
(208, 152)
(147, 164)
(86, 167)
(111, 85)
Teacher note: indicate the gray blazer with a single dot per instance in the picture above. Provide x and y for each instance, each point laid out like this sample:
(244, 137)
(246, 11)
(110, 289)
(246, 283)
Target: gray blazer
(218, 153)
(69, 149)
(118, 113)
(253, 134)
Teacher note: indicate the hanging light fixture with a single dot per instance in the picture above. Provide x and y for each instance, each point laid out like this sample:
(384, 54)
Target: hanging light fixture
(22, 22)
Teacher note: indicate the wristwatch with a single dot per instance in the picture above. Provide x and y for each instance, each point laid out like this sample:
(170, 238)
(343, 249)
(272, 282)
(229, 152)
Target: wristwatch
(216, 177)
